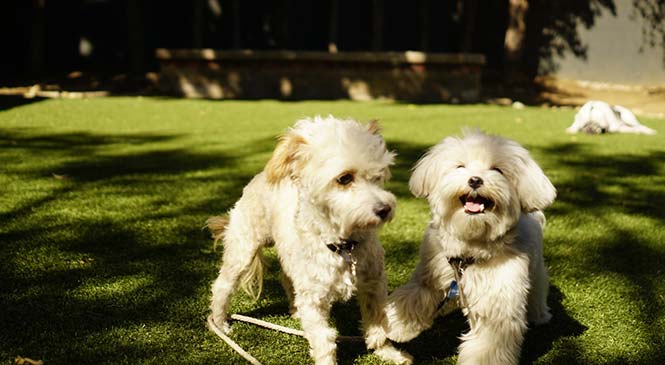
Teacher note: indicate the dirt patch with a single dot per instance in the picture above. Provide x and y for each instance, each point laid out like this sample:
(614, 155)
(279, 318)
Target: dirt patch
(647, 101)
(642, 100)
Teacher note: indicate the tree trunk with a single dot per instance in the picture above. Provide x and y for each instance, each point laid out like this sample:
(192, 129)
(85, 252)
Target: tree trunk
(514, 40)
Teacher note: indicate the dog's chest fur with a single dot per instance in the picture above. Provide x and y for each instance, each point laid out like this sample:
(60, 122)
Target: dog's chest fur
(313, 267)
(451, 246)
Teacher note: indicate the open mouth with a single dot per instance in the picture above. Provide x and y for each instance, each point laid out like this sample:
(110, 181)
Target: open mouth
(475, 204)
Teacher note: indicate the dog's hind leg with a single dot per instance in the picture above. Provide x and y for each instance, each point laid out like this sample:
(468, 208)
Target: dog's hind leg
(241, 260)
(287, 284)
(538, 312)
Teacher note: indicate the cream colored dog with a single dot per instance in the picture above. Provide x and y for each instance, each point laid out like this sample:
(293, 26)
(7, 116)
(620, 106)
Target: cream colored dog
(320, 201)
(485, 195)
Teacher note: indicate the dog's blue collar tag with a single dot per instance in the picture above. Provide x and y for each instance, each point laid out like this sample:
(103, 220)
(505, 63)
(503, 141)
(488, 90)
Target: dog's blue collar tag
(453, 291)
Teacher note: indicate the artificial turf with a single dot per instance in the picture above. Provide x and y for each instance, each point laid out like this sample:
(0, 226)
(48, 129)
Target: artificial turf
(103, 259)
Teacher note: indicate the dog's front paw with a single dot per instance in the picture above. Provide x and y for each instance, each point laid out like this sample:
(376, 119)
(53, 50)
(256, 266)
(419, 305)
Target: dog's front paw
(390, 353)
(401, 329)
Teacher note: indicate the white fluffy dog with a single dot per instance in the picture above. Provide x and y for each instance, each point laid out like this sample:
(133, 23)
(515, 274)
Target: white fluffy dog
(320, 201)
(597, 117)
(486, 195)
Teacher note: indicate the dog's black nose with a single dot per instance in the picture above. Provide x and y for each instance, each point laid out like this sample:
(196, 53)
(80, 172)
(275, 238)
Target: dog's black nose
(382, 211)
(475, 182)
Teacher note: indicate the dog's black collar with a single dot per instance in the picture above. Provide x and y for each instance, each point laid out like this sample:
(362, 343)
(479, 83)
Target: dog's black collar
(343, 245)
(344, 248)
(460, 264)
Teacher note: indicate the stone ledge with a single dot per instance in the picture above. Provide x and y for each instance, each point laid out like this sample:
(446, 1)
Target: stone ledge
(408, 57)
(292, 75)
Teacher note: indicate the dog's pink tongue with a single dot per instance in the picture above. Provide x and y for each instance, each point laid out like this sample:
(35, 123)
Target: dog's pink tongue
(473, 207)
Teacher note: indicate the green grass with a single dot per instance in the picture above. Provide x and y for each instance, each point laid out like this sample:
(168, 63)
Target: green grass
(109, 263)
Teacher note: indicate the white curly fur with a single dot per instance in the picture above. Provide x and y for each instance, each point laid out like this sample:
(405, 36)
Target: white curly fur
(298, 204)
(507, 286)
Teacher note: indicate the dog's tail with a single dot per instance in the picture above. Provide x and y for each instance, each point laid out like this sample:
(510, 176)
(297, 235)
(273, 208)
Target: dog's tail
(217, 225)
(252, 280)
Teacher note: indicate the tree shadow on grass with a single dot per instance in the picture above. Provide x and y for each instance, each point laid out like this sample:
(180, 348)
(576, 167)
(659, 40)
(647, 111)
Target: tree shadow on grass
(539, 340)
(612, 190)
(599, 181)
(12, 101)
(84, 163)
(68, 284)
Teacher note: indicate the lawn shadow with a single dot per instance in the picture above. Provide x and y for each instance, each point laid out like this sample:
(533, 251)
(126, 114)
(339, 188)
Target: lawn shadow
(407, 156)
(12, 101)
(106, 273)
(540, 339)
(595, 173)
(439, 343)
(610, 190)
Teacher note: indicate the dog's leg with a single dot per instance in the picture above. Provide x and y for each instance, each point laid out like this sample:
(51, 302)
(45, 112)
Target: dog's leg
(492, 341)
(412, 307)
(314, 313)
(372, 297)
(411, 310)
(287, 284)
(240, 249)
(538, 312)
(497, 294)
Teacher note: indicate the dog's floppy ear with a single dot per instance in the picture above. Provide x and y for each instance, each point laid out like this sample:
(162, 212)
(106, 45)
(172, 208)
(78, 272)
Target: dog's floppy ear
(431, 167)
(284, 156)
(535, 189)
(421, 181)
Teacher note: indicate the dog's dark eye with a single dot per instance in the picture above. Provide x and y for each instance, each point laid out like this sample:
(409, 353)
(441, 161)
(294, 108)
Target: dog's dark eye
(497, 170)
(345, 179)
(460, 166)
